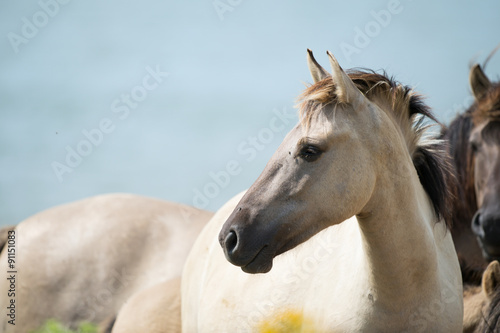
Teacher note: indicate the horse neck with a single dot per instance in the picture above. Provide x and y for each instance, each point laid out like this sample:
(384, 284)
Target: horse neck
(397, 234)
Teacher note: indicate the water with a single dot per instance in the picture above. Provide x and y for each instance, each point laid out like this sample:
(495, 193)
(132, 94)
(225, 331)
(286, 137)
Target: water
(229, 73)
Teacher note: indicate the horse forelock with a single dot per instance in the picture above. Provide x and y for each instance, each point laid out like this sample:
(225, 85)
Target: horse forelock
(408, 110)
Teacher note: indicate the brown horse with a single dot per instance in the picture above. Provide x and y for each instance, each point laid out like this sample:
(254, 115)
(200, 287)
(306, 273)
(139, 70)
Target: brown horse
(474, 138)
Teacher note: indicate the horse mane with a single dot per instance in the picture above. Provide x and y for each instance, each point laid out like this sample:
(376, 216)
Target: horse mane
(408, 110)
(457, 134)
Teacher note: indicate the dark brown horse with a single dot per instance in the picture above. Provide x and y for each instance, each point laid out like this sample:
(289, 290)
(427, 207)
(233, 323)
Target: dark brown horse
(474, 139)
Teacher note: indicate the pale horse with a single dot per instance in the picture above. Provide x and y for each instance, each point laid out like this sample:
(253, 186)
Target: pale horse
(346, 224)
(81, 261)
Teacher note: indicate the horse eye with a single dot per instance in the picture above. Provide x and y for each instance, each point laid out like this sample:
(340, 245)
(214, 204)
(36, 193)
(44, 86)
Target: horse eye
(310, 153)
(474, 146)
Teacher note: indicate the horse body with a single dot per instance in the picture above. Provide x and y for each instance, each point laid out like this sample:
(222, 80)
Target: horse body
(288, 288)
(338, 221)
(81, 261)
(326, 282)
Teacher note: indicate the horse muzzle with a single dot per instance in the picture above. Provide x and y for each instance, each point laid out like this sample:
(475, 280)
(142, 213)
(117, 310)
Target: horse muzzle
(247, 243)
(486, 227)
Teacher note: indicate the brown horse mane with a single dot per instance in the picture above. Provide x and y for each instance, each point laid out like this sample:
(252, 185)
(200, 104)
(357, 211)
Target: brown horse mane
(408, 110)
(457, 134)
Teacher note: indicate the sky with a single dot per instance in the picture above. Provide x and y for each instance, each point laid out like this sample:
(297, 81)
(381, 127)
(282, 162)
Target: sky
(187, 101)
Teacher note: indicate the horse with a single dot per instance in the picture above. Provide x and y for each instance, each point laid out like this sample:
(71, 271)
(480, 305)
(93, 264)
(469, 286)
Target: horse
(81, 261)
(346, 228)
(474, 144)
(482, 303)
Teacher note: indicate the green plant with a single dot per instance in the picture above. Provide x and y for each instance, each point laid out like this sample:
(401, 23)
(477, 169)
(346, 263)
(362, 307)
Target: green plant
(53, 326)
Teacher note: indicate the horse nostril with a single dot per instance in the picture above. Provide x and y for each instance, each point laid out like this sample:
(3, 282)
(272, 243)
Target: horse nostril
(476, 225)
(231, 241)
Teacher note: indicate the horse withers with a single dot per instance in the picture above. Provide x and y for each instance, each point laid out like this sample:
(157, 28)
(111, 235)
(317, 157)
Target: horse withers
(345, 229)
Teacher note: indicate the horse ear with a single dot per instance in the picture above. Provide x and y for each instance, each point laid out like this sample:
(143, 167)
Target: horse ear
(479, 82)
(318, 73)
(346, 91)
(491, 278)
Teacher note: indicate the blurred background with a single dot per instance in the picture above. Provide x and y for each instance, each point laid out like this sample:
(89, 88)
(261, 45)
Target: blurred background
(186, 101)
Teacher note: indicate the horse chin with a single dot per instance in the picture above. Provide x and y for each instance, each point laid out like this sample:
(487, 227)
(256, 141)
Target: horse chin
(256, 267)
(490, 253)
(261, 263)
(489, 258)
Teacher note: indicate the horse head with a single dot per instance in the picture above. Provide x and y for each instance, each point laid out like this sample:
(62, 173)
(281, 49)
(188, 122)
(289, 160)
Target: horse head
(358, 134)
(320, 175)
(484, 143)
